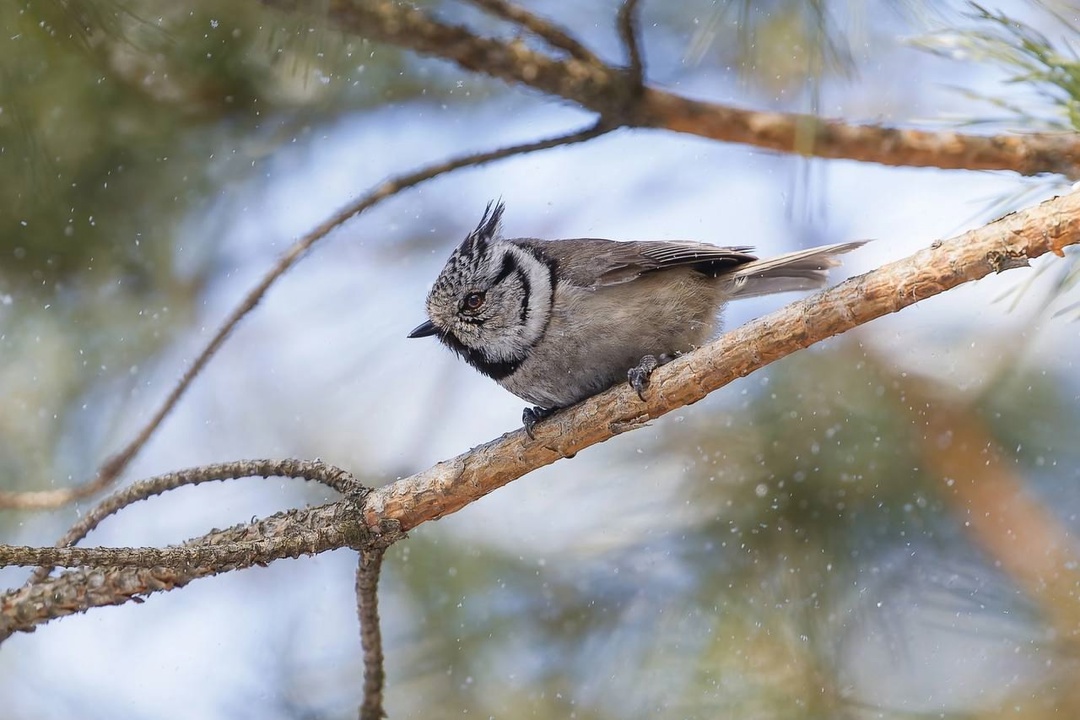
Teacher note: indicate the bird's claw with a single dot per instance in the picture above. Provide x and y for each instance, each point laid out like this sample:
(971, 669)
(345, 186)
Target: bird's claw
(639, 374)
(532, 415)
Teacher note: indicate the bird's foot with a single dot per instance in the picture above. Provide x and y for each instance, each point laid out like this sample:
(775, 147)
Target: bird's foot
(532, 415)
(639, 374)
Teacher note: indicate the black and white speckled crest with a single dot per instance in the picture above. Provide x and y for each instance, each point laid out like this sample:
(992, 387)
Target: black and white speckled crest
(470, 254)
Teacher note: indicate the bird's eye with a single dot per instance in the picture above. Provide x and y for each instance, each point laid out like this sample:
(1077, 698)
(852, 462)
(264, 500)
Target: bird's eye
(473, 301)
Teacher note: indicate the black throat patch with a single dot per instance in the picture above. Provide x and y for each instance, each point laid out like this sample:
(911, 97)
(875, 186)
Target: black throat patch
(494, 369)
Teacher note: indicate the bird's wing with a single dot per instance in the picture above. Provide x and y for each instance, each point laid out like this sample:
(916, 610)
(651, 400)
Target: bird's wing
(593, 262)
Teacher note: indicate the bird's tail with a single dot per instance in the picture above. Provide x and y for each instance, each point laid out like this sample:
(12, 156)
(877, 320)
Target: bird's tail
(800, 270)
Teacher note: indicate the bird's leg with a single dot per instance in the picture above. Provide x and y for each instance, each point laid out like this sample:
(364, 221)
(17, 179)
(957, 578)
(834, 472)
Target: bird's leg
(532, 415)
(639, 374)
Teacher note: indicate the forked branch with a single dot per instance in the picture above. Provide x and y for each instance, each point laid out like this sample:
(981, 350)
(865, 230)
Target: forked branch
(617, 97)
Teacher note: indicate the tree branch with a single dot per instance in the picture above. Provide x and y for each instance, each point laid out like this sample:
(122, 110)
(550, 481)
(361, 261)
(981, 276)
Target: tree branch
(1002, 245)
(316, 471)
(287, 534)
(620, 100)
(612, 93)
(552, 34)
(631, 40)
(367, 610)
(191, 559)
(1005, 244)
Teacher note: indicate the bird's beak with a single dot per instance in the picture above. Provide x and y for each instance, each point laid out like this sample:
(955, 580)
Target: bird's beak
(424, 329)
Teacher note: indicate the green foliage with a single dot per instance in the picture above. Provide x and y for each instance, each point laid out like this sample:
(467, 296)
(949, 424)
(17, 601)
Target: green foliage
(120, 117)
(1050, 69)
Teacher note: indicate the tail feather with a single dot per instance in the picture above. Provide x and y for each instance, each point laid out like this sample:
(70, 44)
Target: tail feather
(800, 270)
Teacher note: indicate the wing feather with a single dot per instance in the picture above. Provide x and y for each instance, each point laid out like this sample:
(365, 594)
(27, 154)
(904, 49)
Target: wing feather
(594, 262)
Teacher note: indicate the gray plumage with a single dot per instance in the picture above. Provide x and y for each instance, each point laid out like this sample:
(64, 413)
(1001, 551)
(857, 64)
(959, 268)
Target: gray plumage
(555, 321)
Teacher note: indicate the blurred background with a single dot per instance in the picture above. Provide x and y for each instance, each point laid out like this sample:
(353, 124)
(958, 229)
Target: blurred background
(880, 527)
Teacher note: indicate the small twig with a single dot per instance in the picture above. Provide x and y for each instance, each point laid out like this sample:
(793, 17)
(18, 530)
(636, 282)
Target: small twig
(631, 40)
(367, 610)
(371, 548)
(227, 556)
(551, 33)
(111, 469)
(336, 478)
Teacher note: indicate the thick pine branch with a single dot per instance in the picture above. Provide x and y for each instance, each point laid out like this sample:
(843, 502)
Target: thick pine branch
(287, 534)
(616, 96)
(1003, 244)
(449, 486)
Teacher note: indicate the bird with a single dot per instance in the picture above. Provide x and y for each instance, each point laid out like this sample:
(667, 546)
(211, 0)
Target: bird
(557, 321)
